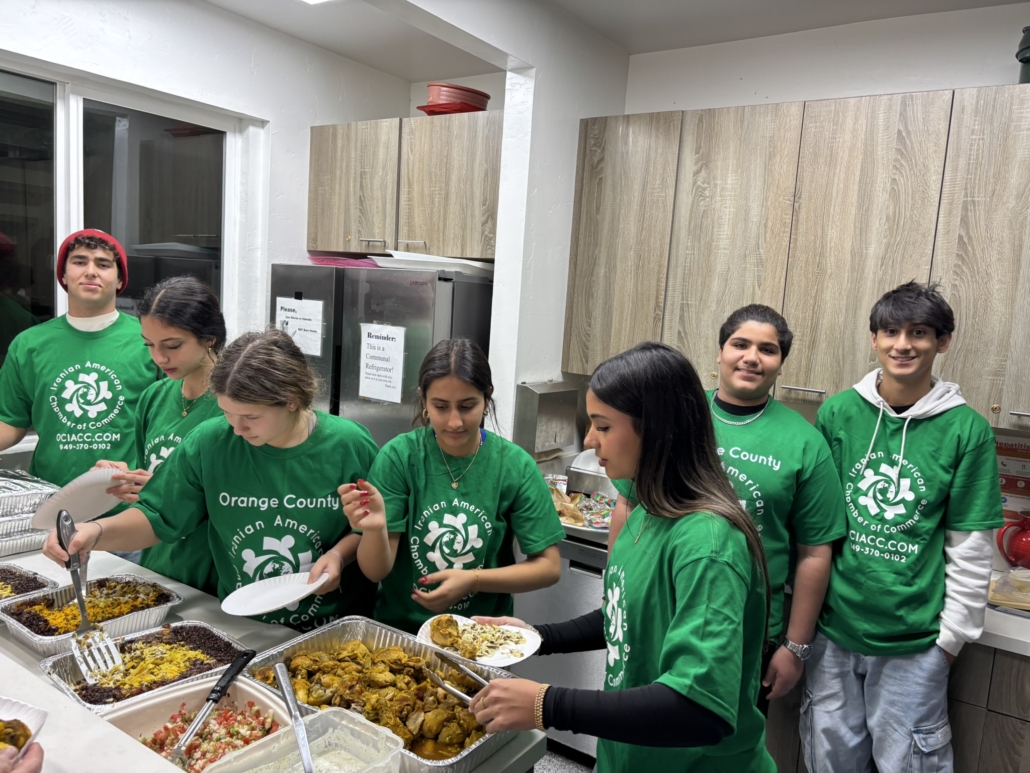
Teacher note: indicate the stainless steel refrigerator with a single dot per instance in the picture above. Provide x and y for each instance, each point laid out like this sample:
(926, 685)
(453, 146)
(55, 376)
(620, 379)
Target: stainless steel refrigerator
(358, 311)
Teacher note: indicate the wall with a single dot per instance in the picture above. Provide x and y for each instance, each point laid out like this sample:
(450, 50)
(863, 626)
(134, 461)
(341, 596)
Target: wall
(197, 52)
(914, 53)
(574, 73)
(492, 83)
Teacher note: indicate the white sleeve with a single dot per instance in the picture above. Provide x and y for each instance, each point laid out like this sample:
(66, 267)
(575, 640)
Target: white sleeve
(968, 556)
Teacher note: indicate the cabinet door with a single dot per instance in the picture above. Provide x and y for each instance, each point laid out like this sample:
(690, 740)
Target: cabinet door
(352, 186)
(869, 182)
(625, 186)
(450, 175)
(982, 255)
(731, 225)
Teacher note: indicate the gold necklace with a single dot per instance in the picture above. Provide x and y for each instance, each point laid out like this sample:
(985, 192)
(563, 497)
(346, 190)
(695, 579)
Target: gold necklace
(186, 408)
(454, 481)
(647, 522)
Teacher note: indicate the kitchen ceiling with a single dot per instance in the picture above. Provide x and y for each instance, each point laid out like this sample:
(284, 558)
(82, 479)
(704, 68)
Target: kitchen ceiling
(358, 31)
(643, 26)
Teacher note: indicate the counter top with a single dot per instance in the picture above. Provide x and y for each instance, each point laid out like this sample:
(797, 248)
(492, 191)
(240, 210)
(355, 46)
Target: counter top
(72, 735)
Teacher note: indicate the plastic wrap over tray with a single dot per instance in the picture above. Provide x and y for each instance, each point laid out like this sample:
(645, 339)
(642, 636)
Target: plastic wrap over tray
(66, 673)
(23, 542)
(116, 627)
(22, 493)
(374, 636)
(47, 583)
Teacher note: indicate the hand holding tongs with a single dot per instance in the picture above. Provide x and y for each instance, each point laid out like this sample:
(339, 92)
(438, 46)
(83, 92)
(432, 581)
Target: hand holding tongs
(217, 693)
(94, 650)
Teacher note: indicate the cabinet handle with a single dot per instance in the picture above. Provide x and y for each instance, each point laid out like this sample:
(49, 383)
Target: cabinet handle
(413, 241)
(588, 571)
(363, 239)
(805, 389)
(1023, 414)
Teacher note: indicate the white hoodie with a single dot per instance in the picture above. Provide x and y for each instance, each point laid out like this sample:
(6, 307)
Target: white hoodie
(968, 554)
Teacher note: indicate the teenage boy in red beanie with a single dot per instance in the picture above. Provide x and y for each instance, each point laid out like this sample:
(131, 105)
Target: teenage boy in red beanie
(77, 378)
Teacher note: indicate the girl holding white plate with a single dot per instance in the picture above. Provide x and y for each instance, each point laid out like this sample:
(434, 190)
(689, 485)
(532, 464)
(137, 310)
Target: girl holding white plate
(444, 504)
(184, 329)
(264, 476)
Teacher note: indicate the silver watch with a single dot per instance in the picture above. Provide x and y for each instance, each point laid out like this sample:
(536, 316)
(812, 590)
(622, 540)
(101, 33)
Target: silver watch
(802, 651)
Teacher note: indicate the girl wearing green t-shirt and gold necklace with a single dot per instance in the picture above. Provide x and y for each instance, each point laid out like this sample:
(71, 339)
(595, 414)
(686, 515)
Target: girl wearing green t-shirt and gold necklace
(184, 329)
(684, 615)
(265, 476)
(444, 504)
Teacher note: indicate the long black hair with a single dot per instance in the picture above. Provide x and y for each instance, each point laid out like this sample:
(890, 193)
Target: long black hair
(458, 357)
(679, 471)
(188, 304)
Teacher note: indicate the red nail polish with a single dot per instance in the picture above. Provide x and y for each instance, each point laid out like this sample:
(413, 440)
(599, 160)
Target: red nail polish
(353, 486)
(365, 512)
(421, 580)
(361, 482)
(363, 502)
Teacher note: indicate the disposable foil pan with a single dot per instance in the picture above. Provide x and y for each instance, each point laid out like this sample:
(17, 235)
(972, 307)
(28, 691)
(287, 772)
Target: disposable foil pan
(119, 626)
(16, 524)
(48, 584)
(22, 542)
(375, 635)
(65, 672)
(22, 493)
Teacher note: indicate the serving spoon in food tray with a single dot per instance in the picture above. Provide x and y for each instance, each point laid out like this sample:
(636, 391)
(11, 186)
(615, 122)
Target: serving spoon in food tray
(93, 648)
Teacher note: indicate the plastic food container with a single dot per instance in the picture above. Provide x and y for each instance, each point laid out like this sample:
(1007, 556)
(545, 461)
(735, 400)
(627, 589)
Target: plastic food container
(65, 672)
(377, 748)
(117, 627)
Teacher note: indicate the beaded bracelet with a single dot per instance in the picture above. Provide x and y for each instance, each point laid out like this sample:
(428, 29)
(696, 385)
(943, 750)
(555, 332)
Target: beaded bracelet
(538, 706)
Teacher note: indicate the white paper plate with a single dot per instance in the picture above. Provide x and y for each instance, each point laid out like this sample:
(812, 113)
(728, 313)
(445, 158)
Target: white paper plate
(30, 715)
(84, 498)
(501, 661)
(271, 594)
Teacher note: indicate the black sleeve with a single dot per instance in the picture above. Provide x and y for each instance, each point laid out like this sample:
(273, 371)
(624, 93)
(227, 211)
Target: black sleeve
(655, 715)
(581, 634)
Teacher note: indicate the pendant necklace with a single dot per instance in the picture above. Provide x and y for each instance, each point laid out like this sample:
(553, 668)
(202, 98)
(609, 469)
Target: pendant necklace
(185, 407)
(756, 417)
(647, 522)
(454, 481)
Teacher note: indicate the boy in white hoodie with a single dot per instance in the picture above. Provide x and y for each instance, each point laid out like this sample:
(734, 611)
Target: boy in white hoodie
(909, 585)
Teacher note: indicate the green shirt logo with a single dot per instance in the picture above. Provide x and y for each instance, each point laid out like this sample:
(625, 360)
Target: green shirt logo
(615, 626)
(885, 492)
(452, 544)
(84, 398)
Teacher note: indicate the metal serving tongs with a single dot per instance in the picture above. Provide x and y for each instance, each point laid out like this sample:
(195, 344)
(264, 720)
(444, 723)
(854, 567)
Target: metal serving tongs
(282, 676)
(217, 693)
(460, 668)
(94, 650)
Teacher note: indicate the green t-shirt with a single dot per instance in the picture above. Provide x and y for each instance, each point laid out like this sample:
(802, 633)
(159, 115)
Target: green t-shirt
(160, 428)
(14, 318)
(79, 390)
(685, 607)
(502, 497)
(887, 583)
(271, 511)
(782, 471)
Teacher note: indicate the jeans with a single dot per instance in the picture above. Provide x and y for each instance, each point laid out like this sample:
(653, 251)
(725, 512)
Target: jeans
(132, 556)
(891, 709)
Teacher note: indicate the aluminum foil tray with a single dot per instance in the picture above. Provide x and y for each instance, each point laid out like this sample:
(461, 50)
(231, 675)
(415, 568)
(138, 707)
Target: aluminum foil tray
(22, 493)
(48, 584)
(22, 542)
(119, 626)
(375, 635)
(65, 672)
(16, 524)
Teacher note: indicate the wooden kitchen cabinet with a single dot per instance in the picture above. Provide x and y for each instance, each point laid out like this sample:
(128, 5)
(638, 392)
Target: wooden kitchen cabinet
(865, 209)
(625, 187)
(982, 254)
(450, 169)
(352, 186)
(731, 223)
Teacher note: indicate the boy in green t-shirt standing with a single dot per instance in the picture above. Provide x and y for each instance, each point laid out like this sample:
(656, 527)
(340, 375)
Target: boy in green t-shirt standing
(77, 378)
(909, 586)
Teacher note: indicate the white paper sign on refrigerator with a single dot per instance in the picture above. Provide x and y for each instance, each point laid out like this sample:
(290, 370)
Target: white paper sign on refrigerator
(382, 363)
(303, 321)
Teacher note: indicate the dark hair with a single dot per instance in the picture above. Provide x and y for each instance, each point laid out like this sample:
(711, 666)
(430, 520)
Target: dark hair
(458, 357)
(757, 312)
(915, 304)
(679, 471)
(93, 242)
(264, 369)
(186, 303)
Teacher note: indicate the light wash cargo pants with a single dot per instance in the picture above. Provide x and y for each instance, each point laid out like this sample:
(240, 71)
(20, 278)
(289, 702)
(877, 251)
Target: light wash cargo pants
(891, 709)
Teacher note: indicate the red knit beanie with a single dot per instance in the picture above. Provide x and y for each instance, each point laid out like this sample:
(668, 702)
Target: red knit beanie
(110, 241)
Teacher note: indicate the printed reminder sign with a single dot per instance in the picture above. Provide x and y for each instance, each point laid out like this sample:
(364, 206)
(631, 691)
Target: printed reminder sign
(382, 363)
(303, 321)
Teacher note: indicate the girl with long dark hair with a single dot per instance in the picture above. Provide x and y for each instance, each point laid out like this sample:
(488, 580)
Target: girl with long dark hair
(443, 504)
(686, 592)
